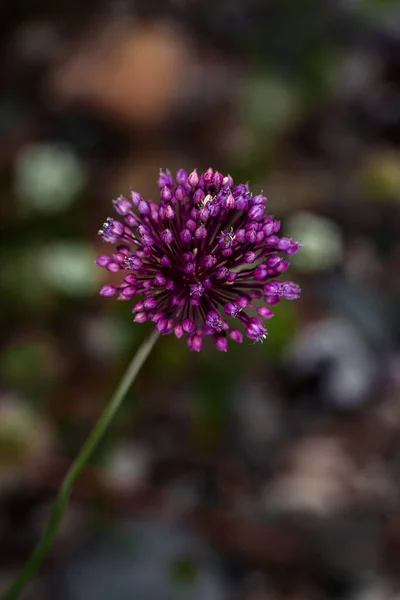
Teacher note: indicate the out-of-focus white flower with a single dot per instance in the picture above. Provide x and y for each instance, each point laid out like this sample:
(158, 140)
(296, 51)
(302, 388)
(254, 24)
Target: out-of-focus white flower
(48, 177)
(321, 238)
(67, 267)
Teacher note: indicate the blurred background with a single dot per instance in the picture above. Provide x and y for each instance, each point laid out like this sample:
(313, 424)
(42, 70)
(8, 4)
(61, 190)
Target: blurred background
(271, 472)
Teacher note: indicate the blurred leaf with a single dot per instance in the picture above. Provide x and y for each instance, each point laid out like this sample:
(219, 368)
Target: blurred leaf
(48, 177)
(175, 354)
(381, 175)
(184, 570)
(25, 362)
(68, 267)
(211, 401)
(20, 282)
(108, 336)
(375, 7)
(281, 329)
(19, 431)
(321, 238)
(268, 104)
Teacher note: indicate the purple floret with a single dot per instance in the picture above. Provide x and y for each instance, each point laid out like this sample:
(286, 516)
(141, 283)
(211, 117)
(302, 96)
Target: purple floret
(205, 250)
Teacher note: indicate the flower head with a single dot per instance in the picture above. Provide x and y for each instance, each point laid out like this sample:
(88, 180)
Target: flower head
(205, 252)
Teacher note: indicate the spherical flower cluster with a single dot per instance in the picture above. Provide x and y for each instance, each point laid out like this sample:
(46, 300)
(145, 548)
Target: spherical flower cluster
(199, 258)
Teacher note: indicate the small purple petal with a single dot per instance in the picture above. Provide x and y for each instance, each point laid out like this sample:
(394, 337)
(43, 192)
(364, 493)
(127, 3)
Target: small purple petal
(185, 236)
(256, 212)
(122, 205)
(162, 325)
(141, 317)
(271, 240)
(159, 280)
(259, 200)
(157, 316)
(169, 213)
(272, 288)
(188, 325)
(144, 207)
(136, 198)
(251, 236)
(108, 290)
(149, 303)
(165, 179)
(260, 272)
(265, 312)
(181, 177)
(250, 257)
(114, 267)
(260, 236)
(241, 203)
(208, 175)
(209, 261)
(290, 290)
(178, 331)
(236, 336)
(273, 261)
(218, 179)
(147, 240)
(230, 202)
(240, 236)
(242, 302)
(131, 220)
(193, 178)
(112, 231)
(196, 290)
(165, 194)
(167, 236)
(198, 196)
(232, 309)
(227, 181)
(129, 292)
(133, 262)
(200, 233)
(215, 322)
(204, 214)
(220, 342)
(103, 261)
(190, 268)
(195, 342)
(123, 249)
(165, 261)
(179, 194)
(191, 225)
(255, 329)
(222, 273)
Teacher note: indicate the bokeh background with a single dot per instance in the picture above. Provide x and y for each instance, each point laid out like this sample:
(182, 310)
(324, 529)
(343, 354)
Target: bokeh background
(271, 472)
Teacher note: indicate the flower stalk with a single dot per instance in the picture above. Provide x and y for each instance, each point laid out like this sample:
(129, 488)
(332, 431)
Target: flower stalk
(35, 560)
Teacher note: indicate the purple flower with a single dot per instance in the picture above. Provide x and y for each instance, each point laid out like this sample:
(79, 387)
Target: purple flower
(207, 249)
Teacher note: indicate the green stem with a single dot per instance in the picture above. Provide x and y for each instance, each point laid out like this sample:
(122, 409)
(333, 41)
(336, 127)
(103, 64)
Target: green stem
(61, 502)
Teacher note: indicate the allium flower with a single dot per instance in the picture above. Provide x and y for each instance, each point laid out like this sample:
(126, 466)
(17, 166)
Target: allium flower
(199, 258)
